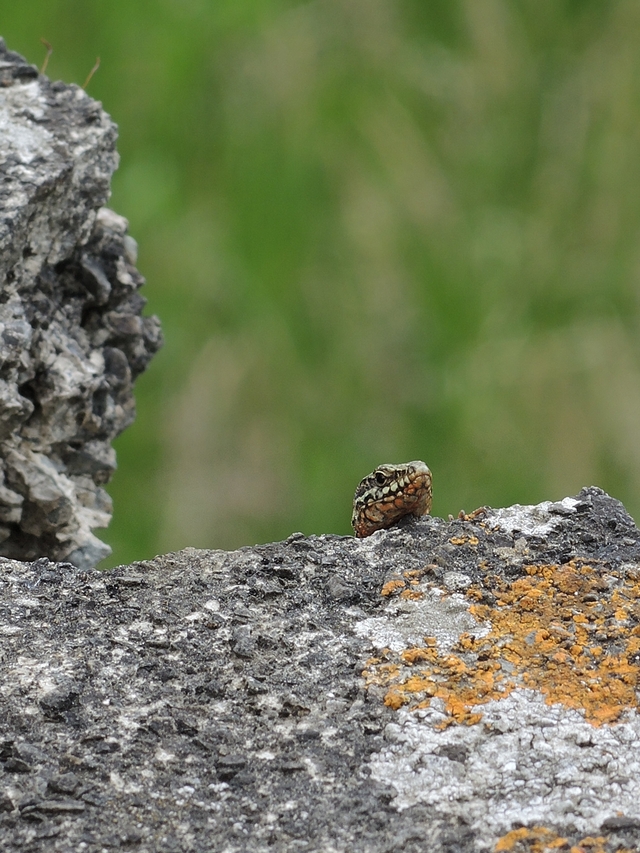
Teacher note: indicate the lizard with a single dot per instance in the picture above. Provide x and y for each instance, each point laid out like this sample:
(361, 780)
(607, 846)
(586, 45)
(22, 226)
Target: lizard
(389, 493)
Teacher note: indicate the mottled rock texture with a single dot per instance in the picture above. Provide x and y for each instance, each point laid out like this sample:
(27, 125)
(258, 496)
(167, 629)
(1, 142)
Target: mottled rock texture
(72, 335)
(413, 691)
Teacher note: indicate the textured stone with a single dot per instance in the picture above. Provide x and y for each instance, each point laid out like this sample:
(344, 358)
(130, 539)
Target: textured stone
(243, 701)
(72, 335)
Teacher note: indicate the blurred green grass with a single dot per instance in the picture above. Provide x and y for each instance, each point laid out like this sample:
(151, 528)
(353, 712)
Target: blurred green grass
(373, 231)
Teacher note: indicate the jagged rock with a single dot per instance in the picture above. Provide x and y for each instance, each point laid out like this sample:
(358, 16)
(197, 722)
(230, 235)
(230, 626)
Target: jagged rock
(72, 335)
(454, 686)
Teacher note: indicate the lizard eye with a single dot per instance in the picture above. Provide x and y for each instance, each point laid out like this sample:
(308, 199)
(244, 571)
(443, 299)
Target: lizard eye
(380, 478)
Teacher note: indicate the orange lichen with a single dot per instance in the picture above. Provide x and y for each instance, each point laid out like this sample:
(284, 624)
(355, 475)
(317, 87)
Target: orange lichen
(539, 839)
(392, 586)
(398, 585)
(464, 540)
(552, 630)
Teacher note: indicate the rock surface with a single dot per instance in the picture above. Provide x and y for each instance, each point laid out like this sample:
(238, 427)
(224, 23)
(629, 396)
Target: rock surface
(72, 335)
(445, 686)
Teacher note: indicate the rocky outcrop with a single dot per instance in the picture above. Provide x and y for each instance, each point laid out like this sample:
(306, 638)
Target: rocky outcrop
(465, 685)
(72, 335)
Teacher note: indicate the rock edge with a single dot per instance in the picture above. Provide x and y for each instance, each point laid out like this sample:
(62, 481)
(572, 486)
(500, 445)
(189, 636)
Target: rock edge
(73, 338)
(248, 700)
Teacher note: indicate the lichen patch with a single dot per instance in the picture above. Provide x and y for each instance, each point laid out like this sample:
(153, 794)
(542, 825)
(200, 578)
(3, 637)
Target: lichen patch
(570, 631)
(539, 839)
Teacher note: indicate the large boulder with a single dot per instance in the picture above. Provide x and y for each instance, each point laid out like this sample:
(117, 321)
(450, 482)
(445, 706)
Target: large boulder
(442, 686)
(72, 335)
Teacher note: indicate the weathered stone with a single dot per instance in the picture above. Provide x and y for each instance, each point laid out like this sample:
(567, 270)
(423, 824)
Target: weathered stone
(239, 701)
(72, 335)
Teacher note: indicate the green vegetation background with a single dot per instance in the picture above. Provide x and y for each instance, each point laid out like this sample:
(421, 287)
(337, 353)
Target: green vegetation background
(374, 230)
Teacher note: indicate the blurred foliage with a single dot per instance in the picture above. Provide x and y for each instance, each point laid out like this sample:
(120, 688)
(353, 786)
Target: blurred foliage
(374, 231)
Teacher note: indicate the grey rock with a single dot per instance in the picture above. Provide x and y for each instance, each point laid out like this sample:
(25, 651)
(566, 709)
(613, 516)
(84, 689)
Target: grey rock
(16, 765)
(179, 704)
(72, 334)
(64, 783)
